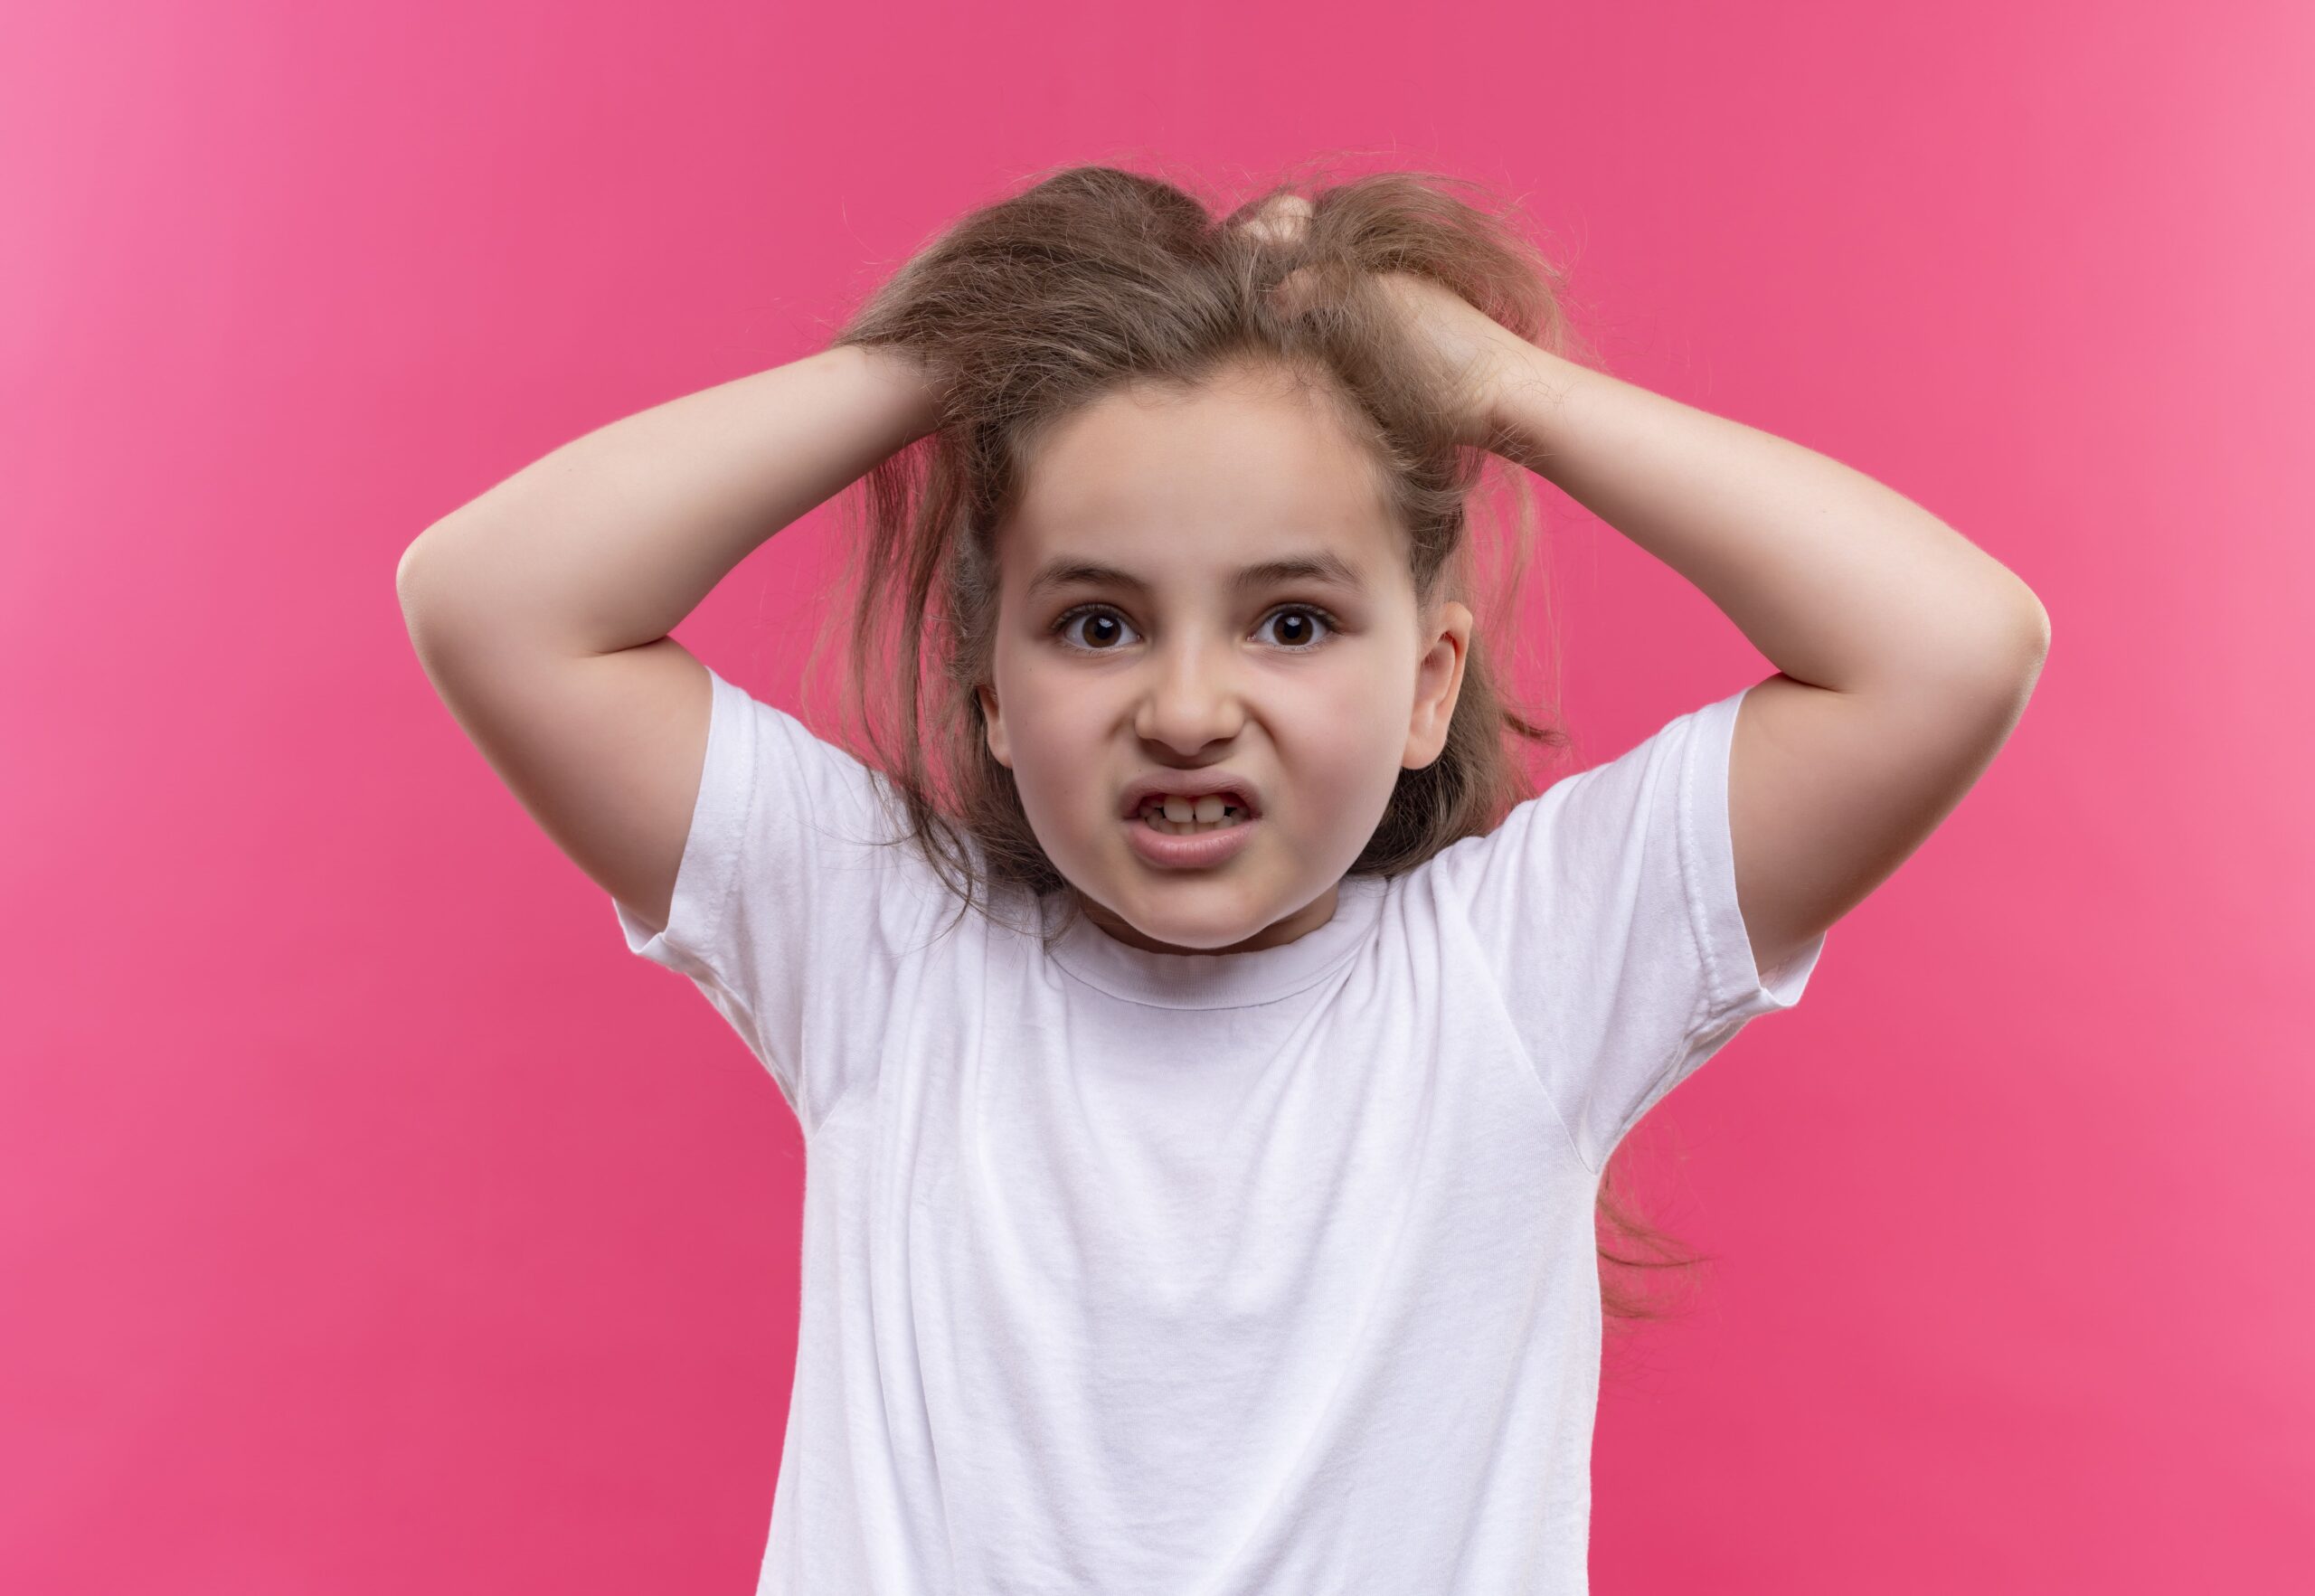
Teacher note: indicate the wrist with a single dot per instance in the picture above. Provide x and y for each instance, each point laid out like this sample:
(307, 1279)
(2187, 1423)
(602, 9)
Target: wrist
(908, 381)
(1531, 388)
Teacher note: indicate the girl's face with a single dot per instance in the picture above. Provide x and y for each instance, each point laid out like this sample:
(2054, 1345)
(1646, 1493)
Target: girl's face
(1138, 636)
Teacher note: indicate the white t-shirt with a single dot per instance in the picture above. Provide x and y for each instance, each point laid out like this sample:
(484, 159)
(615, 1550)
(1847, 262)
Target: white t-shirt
(1255, 1274)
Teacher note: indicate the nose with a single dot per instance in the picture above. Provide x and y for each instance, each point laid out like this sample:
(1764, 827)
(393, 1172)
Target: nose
(1193, 696)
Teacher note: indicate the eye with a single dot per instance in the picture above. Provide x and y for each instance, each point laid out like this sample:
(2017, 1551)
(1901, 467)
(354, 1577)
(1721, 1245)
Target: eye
(1103, 616)
(1083, 611)
(1314, 613)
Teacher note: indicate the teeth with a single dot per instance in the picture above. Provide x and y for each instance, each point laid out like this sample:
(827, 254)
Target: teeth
(1158, 822)
(1181, 817)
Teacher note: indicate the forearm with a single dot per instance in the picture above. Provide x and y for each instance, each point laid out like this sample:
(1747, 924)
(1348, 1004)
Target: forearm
(612, 539)
(1842, 582)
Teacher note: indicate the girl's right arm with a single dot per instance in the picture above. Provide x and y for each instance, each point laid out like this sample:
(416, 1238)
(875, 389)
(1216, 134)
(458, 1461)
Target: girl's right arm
(540, 609)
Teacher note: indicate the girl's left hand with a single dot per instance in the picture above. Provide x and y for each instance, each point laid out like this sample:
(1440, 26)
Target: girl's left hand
(1470, 352)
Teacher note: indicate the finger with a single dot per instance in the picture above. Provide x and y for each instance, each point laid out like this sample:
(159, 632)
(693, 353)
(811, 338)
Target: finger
(1283, 220)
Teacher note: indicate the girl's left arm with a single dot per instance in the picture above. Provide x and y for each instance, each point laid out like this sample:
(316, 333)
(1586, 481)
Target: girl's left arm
(1906, 653)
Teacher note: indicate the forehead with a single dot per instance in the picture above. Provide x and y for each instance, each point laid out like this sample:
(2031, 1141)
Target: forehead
(1171, 480)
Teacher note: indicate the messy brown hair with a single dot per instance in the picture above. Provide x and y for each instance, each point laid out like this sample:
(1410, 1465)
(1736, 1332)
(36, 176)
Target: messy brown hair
(1090, 279)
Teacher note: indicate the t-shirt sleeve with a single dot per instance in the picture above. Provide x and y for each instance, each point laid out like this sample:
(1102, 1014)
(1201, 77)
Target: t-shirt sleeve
(791, 913)
(1604, 910)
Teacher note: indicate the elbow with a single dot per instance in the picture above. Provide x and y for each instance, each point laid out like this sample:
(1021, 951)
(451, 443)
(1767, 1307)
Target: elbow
(2032, 645)
(405, 579)
(401, 572)
(1993, 648)
(2032, 622)
(2011, 661)
(415, 581)
(2010, 633)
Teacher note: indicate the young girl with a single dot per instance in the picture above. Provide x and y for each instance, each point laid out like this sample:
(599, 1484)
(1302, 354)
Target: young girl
(1211, 1212)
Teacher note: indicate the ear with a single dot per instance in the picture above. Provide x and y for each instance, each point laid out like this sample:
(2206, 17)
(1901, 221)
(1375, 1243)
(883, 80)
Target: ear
(997, 746)
(1438, 682)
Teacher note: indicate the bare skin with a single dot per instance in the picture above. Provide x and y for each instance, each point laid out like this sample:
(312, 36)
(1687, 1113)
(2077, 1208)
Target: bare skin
(1190, 673)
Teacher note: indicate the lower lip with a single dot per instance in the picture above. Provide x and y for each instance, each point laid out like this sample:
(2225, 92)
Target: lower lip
(1193, 852)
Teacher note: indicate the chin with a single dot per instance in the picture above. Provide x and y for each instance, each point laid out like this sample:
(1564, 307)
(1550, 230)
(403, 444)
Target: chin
(1201, 926)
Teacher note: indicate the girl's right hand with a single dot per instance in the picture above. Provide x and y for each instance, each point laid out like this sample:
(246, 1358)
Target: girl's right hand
(924, 387)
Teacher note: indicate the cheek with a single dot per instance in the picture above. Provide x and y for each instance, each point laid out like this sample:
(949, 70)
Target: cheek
(1054, 734)
(1357, 724)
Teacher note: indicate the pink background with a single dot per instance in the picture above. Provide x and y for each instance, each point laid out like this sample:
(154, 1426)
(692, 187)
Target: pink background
(371, 1221)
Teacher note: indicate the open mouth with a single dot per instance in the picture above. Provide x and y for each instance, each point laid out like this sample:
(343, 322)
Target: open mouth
(1192, 836)
(1183, 818)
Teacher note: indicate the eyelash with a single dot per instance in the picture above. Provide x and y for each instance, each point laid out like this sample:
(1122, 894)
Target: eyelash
(1061, 622)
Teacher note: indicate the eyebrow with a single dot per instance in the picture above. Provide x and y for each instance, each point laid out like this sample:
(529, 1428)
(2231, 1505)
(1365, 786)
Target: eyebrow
(1321, 566)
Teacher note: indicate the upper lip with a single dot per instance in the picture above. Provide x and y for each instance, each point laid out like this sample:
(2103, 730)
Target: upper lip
(1189, 784)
